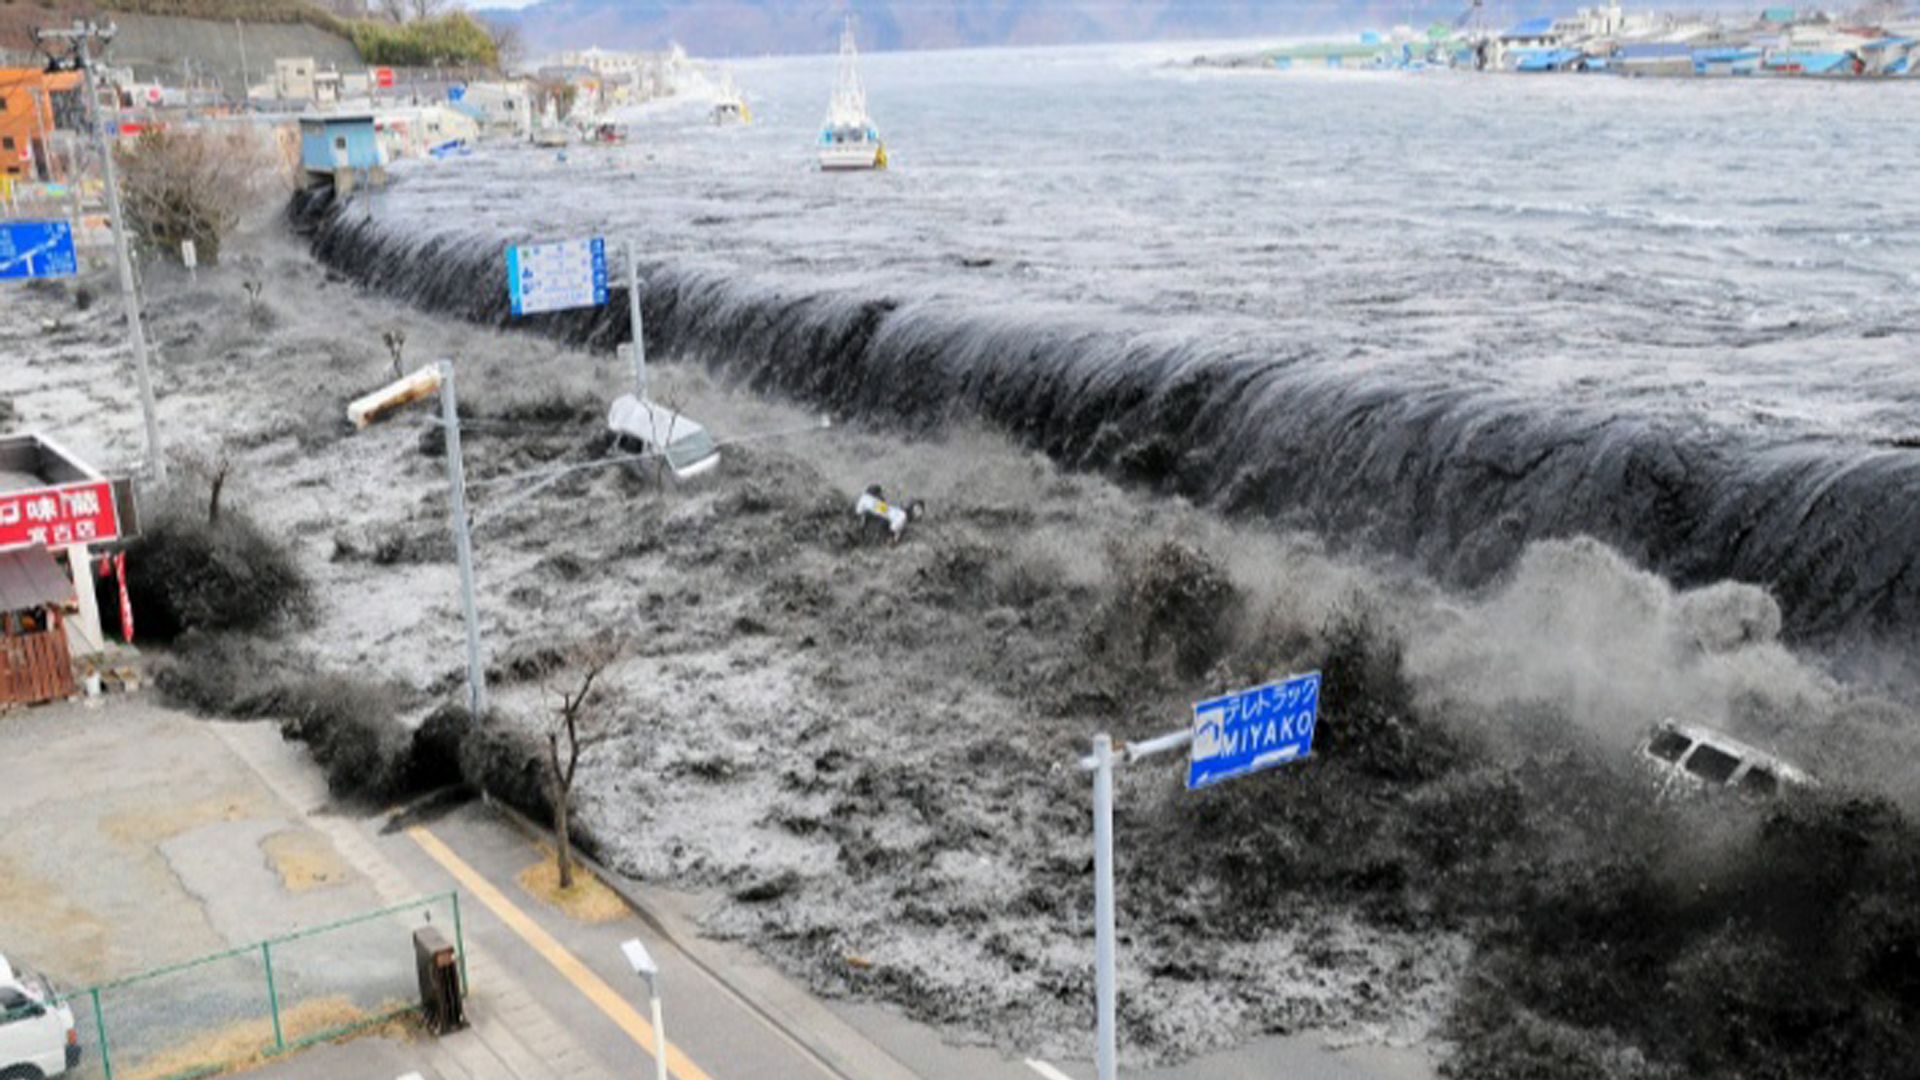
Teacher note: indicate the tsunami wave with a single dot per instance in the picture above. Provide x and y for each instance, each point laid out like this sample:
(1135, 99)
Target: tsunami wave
(1458, 477)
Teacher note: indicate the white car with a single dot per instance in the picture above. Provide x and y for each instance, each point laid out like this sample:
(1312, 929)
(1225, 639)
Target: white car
(37, 1036)
(1701, 758)
(688, 448)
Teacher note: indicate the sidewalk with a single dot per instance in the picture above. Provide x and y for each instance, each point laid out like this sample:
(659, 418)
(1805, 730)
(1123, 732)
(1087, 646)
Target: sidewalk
(513, 1036)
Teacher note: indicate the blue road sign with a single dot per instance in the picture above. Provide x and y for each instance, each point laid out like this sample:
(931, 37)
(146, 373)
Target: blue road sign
(553, 277)
(1255, 729)
(36, 249)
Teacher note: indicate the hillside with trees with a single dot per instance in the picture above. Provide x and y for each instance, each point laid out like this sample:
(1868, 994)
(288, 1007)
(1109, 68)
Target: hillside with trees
(226, 37)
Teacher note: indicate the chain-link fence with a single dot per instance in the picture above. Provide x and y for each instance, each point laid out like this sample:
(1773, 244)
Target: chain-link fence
(223, 1011)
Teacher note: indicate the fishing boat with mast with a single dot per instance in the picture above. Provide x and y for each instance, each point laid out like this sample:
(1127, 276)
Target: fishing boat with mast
(730, 107)
(848, 139)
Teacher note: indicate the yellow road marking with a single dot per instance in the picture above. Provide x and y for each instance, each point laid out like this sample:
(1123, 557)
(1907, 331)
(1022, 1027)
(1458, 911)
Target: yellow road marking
(569, 966)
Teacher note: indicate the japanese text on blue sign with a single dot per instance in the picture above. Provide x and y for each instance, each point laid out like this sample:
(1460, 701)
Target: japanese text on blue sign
(1253, 729)
(554, 277)
(37, 249)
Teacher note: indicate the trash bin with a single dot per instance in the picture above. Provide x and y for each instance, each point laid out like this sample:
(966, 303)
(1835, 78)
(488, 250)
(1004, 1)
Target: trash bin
(442, 1007)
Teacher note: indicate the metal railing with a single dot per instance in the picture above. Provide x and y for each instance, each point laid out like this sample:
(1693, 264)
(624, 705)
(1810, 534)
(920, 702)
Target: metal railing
(231, 1009)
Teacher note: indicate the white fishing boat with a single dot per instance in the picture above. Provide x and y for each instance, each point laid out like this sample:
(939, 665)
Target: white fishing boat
(848, 139)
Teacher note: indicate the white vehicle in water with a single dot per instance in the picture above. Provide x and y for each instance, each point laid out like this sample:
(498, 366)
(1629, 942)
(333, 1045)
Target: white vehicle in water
(848, 139)
(37, 1036)
(1700, 758)
(656, 429)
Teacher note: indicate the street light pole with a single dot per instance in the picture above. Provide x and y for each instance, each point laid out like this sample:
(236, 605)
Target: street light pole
(462, 542)
(643, 965)
(82, 35)
(1104, 1049)
(1100, 763)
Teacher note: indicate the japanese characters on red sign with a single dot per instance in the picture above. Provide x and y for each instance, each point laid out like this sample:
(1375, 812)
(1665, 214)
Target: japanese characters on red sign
(58, 516)
(383, 78)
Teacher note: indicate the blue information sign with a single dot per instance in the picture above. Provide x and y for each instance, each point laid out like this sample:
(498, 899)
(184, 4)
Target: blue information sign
(1255, 729)
(36, 249)
(554, 277)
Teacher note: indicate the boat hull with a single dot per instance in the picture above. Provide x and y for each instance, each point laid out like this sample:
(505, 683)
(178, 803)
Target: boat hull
(850, 158)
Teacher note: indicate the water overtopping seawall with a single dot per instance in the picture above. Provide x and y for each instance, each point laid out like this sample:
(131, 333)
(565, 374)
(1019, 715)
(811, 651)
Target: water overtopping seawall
(1458, 477)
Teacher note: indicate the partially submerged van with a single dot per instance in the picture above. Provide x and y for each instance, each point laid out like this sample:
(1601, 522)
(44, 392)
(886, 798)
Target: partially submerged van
(687, 446)
(37, 1036)
(1703, 758)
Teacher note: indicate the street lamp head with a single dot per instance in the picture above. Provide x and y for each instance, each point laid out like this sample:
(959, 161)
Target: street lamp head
(638, 959)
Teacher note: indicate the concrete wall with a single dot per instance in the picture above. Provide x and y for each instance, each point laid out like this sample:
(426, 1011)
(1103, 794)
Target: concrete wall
(154, 48)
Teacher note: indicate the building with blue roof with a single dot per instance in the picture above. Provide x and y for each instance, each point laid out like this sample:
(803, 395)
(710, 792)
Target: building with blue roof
(1532, 34)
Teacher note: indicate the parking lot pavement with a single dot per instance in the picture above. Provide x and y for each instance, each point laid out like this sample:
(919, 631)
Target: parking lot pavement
(135, 839)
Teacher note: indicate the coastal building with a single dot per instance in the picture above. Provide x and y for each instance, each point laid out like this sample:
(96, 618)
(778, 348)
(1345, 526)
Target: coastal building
(293, 79)
(55, 509)
(1667, 58)
(499, 107)
(33, 106)
(343, 150)
(1533, 34)
(417, 132)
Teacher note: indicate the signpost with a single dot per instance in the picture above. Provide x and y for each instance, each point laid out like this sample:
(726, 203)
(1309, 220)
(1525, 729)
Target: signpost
(37, 249)
(555, 277)
(1232, 735)
(1253, 729)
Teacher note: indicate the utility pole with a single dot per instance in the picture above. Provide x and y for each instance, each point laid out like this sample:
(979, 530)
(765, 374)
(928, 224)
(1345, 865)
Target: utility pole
(633, 316)
(246, 79)
(81, 37)
(462, 542)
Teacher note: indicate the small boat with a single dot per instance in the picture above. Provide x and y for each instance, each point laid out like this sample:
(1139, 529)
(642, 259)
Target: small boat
(731, 108)
(848, 139)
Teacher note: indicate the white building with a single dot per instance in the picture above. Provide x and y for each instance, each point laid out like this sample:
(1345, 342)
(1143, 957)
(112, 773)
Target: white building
(499, 106)
(412, 132)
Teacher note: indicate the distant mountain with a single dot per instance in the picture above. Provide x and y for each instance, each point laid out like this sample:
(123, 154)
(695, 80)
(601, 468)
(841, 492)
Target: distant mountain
(754, 27)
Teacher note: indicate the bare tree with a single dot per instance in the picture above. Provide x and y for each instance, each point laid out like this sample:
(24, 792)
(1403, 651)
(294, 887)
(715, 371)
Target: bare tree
(195, 185)
(214, 463)
(509, 47)
(582, 718)
(425, 9)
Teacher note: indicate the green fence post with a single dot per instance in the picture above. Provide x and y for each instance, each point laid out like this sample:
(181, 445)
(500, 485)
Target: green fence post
(100, 1026)
(459, 942)
(273, 998)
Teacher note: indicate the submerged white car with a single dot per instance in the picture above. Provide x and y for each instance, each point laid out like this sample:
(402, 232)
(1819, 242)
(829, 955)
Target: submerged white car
(688, 448)
(37, 1036)
(1703, 758)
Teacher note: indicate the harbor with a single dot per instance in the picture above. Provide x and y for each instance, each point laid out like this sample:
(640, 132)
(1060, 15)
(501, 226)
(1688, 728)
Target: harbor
(1777, 42)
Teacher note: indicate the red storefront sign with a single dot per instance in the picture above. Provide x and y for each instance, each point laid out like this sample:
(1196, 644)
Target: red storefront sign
(58, 516)
(383, 78)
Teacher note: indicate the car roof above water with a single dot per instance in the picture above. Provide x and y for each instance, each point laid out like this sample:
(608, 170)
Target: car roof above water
(1712, 757)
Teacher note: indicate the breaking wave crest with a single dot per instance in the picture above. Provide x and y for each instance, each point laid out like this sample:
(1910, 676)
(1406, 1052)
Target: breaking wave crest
(1459, 477)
